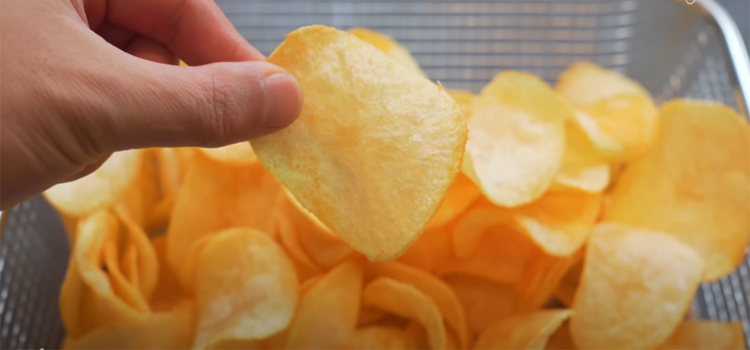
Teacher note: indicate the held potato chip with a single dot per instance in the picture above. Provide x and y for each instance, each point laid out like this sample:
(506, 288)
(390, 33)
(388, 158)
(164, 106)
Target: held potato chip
(234, 154)
(516, 138)
(369, 134)
(527, 331)
(694, 184)
(206, 205)
(100, 189)
(706, 335)
(407, 301)
(327, 314)
(246, 288)
(617, 113)
(635, 288)
(485, 302)
(445, 299)
(390, 47)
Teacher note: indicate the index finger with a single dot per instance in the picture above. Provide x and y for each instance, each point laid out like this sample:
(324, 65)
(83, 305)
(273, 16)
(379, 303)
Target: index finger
(196, 31)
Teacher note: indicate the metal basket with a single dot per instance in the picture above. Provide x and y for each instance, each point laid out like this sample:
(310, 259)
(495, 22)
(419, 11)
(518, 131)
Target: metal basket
(687, 48)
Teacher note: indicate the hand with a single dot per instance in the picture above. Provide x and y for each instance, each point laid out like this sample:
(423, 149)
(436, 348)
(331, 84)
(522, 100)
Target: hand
(81, 79)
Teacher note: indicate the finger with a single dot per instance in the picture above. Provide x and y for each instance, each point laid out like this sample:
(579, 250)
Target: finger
(194, 30)
(148, 49)
(117, 36)
(153, 105)
(88, 169)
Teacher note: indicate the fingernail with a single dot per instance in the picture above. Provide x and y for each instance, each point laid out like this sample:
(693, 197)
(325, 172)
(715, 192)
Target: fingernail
(283, 100)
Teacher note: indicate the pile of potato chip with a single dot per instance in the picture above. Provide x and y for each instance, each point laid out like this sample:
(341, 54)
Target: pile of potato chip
(576, 217)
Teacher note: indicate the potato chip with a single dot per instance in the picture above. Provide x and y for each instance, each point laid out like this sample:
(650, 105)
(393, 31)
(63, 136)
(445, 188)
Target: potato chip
(484, 302)
(122, 288)
(327, 314)
(146, 270)
(407, 301)
(188, 271)
(390, 47)
(87, 300)
(561, 339)
(376, 337)
(569, 283)
(517, 138)
(527, 331)
(415, 337)
(246, 288)
(433, 245)
(163, 330)
(143, 197)
(635, 288)
(100, 189)
(205, 206)
(173, 164)
(465, 99)
(541, 278)
(235, 154)
(706, 335)
(582, 167)
(694, 184)
(304, 265)
(365, 119)
(369, 315)
(617, 113)
(443, 296)
(460, 196)
(168, 291)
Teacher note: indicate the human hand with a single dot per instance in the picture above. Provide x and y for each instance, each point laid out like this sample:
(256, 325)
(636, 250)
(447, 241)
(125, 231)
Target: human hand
(80, 79)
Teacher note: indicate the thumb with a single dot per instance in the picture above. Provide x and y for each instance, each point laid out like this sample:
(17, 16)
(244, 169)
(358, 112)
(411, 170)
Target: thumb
(206, 106)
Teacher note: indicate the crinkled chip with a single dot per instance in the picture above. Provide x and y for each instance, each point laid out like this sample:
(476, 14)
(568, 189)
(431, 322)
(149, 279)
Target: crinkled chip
(246, 288)
(407, 301)
(635, 288)
(617, 113)
(516, 138)
(706, 335)
(100, 189)
(390, 47)
(485, 302)
(217, 196)
(694, 184)
(525, 331)
(369, 134)
(238, 154)
(327, 314)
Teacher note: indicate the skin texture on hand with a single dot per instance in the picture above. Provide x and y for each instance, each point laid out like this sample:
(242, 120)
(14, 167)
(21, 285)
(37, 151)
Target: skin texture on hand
(80, 79)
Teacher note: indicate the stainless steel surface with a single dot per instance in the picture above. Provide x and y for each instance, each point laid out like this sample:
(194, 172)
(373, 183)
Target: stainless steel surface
(674, 49)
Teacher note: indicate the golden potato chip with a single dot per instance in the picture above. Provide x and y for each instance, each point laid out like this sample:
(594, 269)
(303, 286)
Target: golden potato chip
(188, 271)
(569, 283)
(143, 197)
(582, 167)
(390, 47)
(365, 119)
(205, 205)
(617, 113)
(369, 315)
(122, 288)
(465, 99)
(87, 300)
(407, 301)
(426, 252)
(694, 184)
(484, 302)
(460, 196)
(173, 164)
(246, 288)
(100, 189)
(235, 154)
(415, 337)
(635, 288)
(327, 314)
(443, 296)
(516, 138)
(304, 265)
(561, 339)
(376, 337)
(705, 335)
(164, 330)
(168, 291)
(146, 271)
(527, 331)
(541, 278)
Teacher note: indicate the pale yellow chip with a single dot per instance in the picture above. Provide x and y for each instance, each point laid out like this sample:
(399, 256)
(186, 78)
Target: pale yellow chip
(443, 296)
(390, 47)
(516, 138)
(706, 335)
(635, 289)
(460, 196)
(525, 331)
(407, 301)
(465, 99)
(217, 196)
(238, 154)
(100, 189)
(327, 314)
(141, 199)
(368, 127)
(694, 184)
(617, 113)
(484, 302)
(246, 288)
(582, 167)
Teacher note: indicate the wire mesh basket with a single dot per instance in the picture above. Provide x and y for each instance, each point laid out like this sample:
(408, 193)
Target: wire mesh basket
(688, 48)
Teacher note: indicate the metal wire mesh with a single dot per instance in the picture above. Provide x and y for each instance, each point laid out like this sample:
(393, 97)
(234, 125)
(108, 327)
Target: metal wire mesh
(671, 50)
